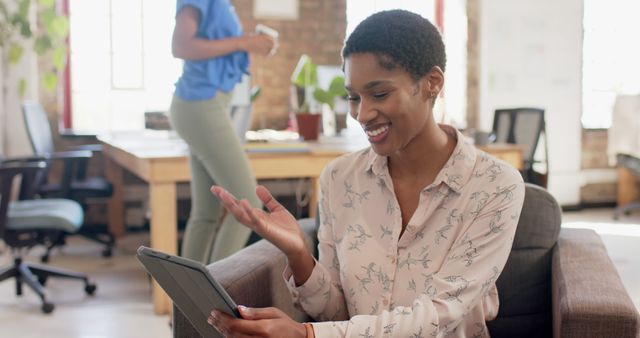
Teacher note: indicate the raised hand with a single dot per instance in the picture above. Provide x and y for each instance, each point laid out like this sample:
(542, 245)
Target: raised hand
(259, 43)
(277, 226)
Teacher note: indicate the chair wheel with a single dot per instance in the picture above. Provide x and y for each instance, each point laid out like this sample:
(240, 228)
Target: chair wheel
(42, 280)
(106, 253)
(47, 307)
(90, 289)
(44, 258)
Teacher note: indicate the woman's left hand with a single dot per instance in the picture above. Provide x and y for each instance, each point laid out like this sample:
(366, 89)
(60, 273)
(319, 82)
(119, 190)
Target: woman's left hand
(257, 322)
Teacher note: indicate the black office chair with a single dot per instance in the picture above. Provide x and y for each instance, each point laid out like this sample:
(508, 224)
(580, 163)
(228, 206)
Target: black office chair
(27, 222)
(74, 183)
(523, 126)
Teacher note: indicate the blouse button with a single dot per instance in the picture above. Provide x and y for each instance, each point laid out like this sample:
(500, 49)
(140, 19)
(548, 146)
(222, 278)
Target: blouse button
(385, 302)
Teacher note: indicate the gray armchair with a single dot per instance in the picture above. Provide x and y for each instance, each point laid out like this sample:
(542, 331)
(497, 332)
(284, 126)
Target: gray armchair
(558, 283)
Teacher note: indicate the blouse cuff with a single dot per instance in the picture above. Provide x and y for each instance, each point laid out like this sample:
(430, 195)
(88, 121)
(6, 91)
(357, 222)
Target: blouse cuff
(311, 286)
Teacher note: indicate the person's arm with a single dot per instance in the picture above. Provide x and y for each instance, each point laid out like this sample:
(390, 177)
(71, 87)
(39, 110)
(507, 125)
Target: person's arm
(467, 275)
(319, 292)
(186, 45)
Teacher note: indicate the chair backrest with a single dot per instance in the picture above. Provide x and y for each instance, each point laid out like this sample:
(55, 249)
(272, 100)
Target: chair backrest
(520, 126)
(9, 171)
(38, 128)
(524, 287)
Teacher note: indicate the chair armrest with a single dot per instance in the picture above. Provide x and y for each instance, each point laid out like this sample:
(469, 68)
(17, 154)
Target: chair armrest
(71, 155)
(589, 299)
(8, 171)
(94, 148)
(252, 277)
(22, 159)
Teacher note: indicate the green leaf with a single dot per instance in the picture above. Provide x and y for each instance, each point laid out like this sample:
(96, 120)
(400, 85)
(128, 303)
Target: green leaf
(50, 81)
(42, 44)
(23, 8)
(336, 88)
(305, 74)
(47, 3)
(22, 87)
(47, 16)
(59, 56)
(25, 29)
(322, 96)
(59, 27)
(15, 53)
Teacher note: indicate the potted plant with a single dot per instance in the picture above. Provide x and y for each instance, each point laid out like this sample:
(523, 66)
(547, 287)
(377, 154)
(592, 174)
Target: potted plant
(46, 36)
(334, 97)
(304, 81)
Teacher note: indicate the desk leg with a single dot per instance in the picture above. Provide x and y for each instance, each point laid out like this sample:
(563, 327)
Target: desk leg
(164, 233)
(115, 206)
(627, 187)
(314, 187)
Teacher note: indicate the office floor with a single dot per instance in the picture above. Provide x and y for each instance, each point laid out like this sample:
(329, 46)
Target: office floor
(122, 305)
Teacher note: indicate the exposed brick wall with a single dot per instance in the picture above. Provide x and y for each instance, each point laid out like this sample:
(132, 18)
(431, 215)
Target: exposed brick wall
(594, 149)
(473, 63)
(594, 156)
(319, 32)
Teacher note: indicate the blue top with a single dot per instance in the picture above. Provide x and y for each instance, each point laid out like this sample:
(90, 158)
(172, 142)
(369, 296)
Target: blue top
(201, 79)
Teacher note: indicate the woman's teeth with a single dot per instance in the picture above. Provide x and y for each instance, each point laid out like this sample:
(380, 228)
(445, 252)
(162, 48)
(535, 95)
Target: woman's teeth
(376, 132)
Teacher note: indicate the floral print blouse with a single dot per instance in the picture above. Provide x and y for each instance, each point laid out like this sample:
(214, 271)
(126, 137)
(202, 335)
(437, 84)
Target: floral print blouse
(438, 278)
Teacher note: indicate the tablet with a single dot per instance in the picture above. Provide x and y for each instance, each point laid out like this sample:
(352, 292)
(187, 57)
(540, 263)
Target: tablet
(191, 287)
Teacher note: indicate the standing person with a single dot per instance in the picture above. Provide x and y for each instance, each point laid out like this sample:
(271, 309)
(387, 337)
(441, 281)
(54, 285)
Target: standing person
(414, 230)
(209, 37)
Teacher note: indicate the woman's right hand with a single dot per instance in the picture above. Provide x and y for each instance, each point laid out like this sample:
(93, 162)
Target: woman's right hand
(277, 226)
(258, 43)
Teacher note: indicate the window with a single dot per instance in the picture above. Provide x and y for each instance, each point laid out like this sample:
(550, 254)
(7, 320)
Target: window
(451, 108)
(610, 58)
(121, 62)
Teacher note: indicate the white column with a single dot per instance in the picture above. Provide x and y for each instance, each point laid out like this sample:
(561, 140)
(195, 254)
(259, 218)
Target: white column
(531, 55)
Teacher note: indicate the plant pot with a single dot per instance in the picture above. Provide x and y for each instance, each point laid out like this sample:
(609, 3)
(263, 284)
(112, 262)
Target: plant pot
(308, 126)
(341, 122)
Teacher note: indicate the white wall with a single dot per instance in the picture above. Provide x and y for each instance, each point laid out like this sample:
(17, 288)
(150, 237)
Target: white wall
(531, 55)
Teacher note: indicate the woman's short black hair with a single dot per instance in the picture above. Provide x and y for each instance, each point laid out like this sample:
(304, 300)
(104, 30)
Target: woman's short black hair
(399, 37)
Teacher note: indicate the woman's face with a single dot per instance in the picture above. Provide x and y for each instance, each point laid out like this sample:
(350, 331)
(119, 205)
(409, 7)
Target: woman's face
(392, 108)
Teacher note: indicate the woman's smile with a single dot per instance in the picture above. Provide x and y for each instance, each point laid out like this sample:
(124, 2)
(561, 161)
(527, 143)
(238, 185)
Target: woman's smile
(377, 133)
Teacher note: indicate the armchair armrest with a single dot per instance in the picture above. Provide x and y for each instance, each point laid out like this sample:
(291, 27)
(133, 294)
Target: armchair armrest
(252, 277)
(589, 299)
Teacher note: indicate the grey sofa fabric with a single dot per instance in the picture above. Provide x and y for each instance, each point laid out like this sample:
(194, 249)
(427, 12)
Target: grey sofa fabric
(562, 286)
(589, 299)
(527, 273)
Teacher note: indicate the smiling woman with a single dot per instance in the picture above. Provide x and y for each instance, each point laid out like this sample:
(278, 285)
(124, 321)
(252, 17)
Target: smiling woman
(414, 230)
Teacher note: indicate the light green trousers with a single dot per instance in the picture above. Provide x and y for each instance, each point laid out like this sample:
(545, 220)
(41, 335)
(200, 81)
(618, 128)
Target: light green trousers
(216, 157)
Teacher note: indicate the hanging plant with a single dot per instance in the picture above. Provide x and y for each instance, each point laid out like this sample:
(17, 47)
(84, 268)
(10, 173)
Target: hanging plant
(48, 39)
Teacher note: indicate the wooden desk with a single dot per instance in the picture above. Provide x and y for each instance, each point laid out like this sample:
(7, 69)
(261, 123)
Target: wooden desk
(161, 161)
(510, 153)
